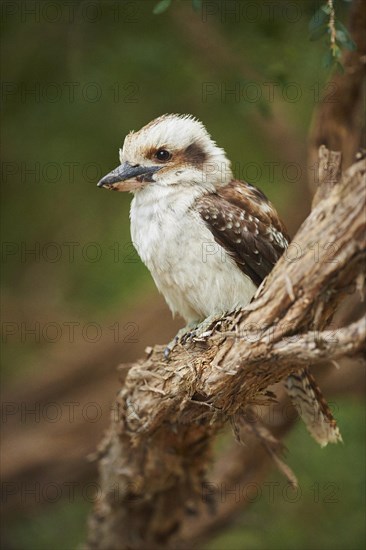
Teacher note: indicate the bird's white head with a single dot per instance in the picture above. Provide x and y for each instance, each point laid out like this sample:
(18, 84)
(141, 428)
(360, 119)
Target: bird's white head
(169, 151)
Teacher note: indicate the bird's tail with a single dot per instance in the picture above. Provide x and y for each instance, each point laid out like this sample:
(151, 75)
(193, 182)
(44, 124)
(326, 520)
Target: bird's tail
(312, 407)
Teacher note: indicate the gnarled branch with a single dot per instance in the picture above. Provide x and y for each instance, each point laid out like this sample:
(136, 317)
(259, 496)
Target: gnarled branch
(154, 461)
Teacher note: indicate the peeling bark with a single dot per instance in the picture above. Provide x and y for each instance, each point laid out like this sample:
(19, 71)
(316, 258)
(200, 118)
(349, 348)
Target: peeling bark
(155, 459)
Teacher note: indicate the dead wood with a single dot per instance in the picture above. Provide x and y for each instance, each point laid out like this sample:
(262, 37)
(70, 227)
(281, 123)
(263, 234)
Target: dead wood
(155, 458)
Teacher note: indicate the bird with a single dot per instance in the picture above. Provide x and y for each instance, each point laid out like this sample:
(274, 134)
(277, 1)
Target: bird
(208, 239)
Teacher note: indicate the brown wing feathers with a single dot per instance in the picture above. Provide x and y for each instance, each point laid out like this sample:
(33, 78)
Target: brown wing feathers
(245, 224)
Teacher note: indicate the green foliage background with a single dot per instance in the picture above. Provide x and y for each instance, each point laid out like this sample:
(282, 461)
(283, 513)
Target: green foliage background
(157, 70)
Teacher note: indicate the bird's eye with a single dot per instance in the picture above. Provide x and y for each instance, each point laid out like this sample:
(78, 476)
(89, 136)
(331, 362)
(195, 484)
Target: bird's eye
(163, 155)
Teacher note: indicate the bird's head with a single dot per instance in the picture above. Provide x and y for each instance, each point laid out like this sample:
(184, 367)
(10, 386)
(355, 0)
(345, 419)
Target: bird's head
(169, 151)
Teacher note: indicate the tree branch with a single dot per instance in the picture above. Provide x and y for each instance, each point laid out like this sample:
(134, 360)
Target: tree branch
(154, 461)
(314, 346)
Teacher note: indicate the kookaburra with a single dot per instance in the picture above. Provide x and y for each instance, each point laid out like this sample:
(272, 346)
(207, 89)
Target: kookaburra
(208, 240)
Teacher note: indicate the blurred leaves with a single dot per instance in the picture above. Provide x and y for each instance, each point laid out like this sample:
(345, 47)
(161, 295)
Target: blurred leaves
(324, 22)
(318, 20)
(343, 36)
(318, 24)
(163, 5)
(197, 4)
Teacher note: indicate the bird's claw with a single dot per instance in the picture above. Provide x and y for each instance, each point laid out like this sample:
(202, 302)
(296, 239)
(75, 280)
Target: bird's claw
(203, 330)
(169, 348)
(180, 338)
(187, 337)
(193, 333)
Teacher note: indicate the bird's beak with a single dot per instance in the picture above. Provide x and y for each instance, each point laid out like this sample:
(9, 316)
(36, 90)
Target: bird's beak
(128, 178)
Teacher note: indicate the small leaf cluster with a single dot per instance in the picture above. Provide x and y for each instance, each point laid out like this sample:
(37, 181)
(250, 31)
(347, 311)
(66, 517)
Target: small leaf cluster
(163, 5)
(324, 23)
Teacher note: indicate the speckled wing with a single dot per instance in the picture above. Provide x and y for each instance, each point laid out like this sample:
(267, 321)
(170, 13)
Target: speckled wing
(246, 225)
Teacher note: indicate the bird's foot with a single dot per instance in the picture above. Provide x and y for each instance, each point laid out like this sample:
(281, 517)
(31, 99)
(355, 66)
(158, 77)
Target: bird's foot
(169, 348)
(193, 332)
(203, 330)
(179, 338)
